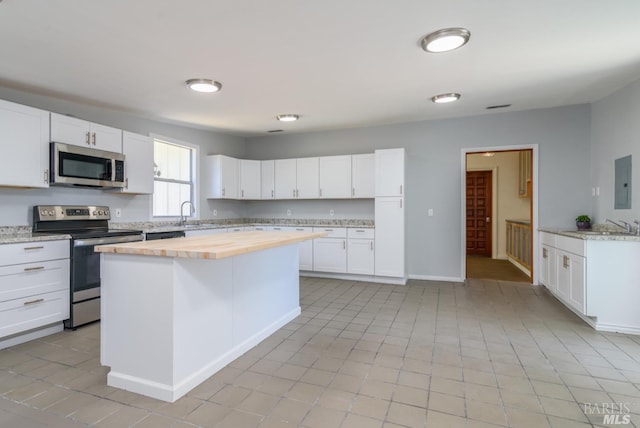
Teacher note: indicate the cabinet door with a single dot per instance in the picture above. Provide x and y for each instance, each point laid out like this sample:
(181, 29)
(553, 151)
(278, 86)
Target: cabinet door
(222, 177)
(307, 178)
(577, 290)
(285, 178)
(335, 176)
(330, 255)
(563, 285)
(363, 176)
(106, 138)
(360, 256)
(138, 167)
(267, 179)
(305, 249)
(389, 172)
(389, 237)
(548, 268)
(24, 134)
(249, 179)
(70, 130)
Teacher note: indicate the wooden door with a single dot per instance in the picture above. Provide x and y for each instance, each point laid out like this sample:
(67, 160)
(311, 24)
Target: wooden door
(479, 213)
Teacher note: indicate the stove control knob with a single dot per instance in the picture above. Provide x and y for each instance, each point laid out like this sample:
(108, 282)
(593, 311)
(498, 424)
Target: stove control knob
(51, 212)
(106, 212)
(43, 212)
(101, 212)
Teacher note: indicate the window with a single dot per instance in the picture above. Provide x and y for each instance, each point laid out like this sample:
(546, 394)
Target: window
(174, 173)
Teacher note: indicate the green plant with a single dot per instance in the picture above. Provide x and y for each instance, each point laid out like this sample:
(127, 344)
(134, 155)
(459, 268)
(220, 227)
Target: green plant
(583, 218)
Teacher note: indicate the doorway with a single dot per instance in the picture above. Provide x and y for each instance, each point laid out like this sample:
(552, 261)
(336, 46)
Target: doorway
(499, 201)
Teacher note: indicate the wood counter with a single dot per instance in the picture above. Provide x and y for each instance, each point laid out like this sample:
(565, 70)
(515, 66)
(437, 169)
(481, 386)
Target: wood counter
(175, 311)
(216, 246)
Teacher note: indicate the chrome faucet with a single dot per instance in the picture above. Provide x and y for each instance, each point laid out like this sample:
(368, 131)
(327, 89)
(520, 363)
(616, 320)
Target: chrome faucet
(626, 226)
(637, 227)
(183, 218)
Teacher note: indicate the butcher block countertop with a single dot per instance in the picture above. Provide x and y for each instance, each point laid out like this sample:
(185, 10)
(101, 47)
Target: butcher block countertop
(217, 246)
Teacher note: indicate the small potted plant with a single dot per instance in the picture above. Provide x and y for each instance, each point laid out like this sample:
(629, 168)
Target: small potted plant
(583, 222)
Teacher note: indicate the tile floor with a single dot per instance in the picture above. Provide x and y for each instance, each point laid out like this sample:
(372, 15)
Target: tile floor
(488, 354)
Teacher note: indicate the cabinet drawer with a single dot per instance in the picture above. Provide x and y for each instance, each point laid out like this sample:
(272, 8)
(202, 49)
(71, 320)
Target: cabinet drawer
(18, 281)
(548, 239)
(571, 245)
(301, 229)
(29, 252)
(332, 232)
(364, 233)
(24, 314)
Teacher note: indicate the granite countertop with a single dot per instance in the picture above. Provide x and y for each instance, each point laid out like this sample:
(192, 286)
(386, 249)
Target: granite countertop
(211, 246)
(595, 234)
(18, 234)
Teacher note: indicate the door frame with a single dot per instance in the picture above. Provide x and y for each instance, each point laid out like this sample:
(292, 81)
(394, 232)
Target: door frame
(534, 203)
(494, 211)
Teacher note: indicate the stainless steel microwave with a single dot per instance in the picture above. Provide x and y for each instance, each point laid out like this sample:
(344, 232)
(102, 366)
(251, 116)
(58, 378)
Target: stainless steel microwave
(85, 167)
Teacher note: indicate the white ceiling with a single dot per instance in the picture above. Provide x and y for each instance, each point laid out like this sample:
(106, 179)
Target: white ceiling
(336, 63)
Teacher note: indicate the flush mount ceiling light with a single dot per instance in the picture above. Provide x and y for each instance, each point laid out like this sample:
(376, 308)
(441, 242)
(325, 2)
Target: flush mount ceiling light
(287, 117)
(204, 85)
(445, 40)
(445, 98)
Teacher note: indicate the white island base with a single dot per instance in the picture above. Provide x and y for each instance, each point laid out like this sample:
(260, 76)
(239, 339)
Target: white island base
(169, 323)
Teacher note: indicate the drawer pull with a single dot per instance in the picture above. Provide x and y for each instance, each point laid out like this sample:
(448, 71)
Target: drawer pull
(33, 302)
(359, 230)
(328, 230)
(31, 269)
(300, 230)
(40, 247)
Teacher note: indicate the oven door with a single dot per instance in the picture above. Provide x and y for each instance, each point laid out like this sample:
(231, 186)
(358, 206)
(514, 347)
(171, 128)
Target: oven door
(81, 166)
(85, 265)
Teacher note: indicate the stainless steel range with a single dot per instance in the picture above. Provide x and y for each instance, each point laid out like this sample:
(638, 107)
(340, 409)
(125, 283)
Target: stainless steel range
(88, 227)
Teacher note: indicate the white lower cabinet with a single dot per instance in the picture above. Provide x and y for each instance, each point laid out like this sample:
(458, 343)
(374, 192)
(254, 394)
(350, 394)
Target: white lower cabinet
(330, 252)
(360, 251)
(34, 288)
(390, 243)
(203, 232)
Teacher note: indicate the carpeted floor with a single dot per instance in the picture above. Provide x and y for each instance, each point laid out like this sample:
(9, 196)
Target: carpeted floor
(487, 268)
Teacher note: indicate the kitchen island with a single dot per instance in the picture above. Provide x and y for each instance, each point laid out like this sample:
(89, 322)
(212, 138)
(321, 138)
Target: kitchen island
(176, 311)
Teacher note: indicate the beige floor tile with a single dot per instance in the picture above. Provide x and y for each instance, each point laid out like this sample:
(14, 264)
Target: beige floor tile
(258, 403)
(124, 417)
(447, 386)
(305, 392)
(449, 404)
(552, 390)
(377, 389)
(412, 396)
(563, 409)
(207, 414)
(443, 420)
(96, 411)
(322, 417)
(516, 400)
(337, 400)
(290, 411)
(403, 414)
(519, 418)
(180, 408)
(230, 395)
(237, 418)
(485, 412)
(357, 421)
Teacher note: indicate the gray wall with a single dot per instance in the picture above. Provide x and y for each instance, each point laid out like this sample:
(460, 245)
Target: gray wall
(16, 203)
(434, 170)
(615, 130)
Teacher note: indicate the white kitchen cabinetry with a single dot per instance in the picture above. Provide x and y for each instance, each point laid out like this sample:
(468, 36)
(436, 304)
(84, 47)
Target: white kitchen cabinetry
(34, 290)
(330, 252)
(24, 136)
(548, 273)
(389, 172)
(305, 248)
(204, 232)
(250, 179)
(222, 177)
(267, 179)
(307, 178)
(360, 251)
(389, 237)
(70, 130)
(285, 178)
(363, 176)
(335, 177)
(138, 167)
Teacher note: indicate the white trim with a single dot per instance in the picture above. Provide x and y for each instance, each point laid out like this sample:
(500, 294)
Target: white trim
(195, 175)
(36, 333)
(519, 265)
(534, 176)
(436, 278)
(353, 277)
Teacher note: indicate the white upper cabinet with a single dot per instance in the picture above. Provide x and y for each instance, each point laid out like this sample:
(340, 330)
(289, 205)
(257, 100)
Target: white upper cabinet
(250, 179)
(24, 137)
(307, 178)
(70, 130)
(389, 172)
(222, 174)
(267, 179)
(285, 178)
(138, 166)
(335, 176)
(363, 178)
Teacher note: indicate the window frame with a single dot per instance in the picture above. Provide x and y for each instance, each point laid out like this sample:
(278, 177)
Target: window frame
(195, 168)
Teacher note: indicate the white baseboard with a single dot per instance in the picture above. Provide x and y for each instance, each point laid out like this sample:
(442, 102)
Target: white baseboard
(520, 266)
(354, 277)
(436, 278)
(37, 333)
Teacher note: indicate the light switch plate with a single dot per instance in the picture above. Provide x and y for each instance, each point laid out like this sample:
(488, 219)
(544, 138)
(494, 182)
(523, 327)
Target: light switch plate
(331, 212)
(288, 212)
(430, 212)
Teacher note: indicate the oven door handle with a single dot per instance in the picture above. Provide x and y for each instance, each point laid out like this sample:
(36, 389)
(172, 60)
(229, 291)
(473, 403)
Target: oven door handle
(106, 240)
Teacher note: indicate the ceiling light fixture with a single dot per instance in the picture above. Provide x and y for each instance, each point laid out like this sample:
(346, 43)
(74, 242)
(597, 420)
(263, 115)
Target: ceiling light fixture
(445, 98)
(445, 40)
(204, 85)
(287, 117)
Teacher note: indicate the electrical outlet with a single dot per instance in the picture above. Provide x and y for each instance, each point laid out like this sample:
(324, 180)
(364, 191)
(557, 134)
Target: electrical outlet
(288, 212)
(331, 212)
(430, 212)
(118, 212)
(215, 212)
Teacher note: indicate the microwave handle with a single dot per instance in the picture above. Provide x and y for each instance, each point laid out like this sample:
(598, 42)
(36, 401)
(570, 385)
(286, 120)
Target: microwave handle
(113, 170)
